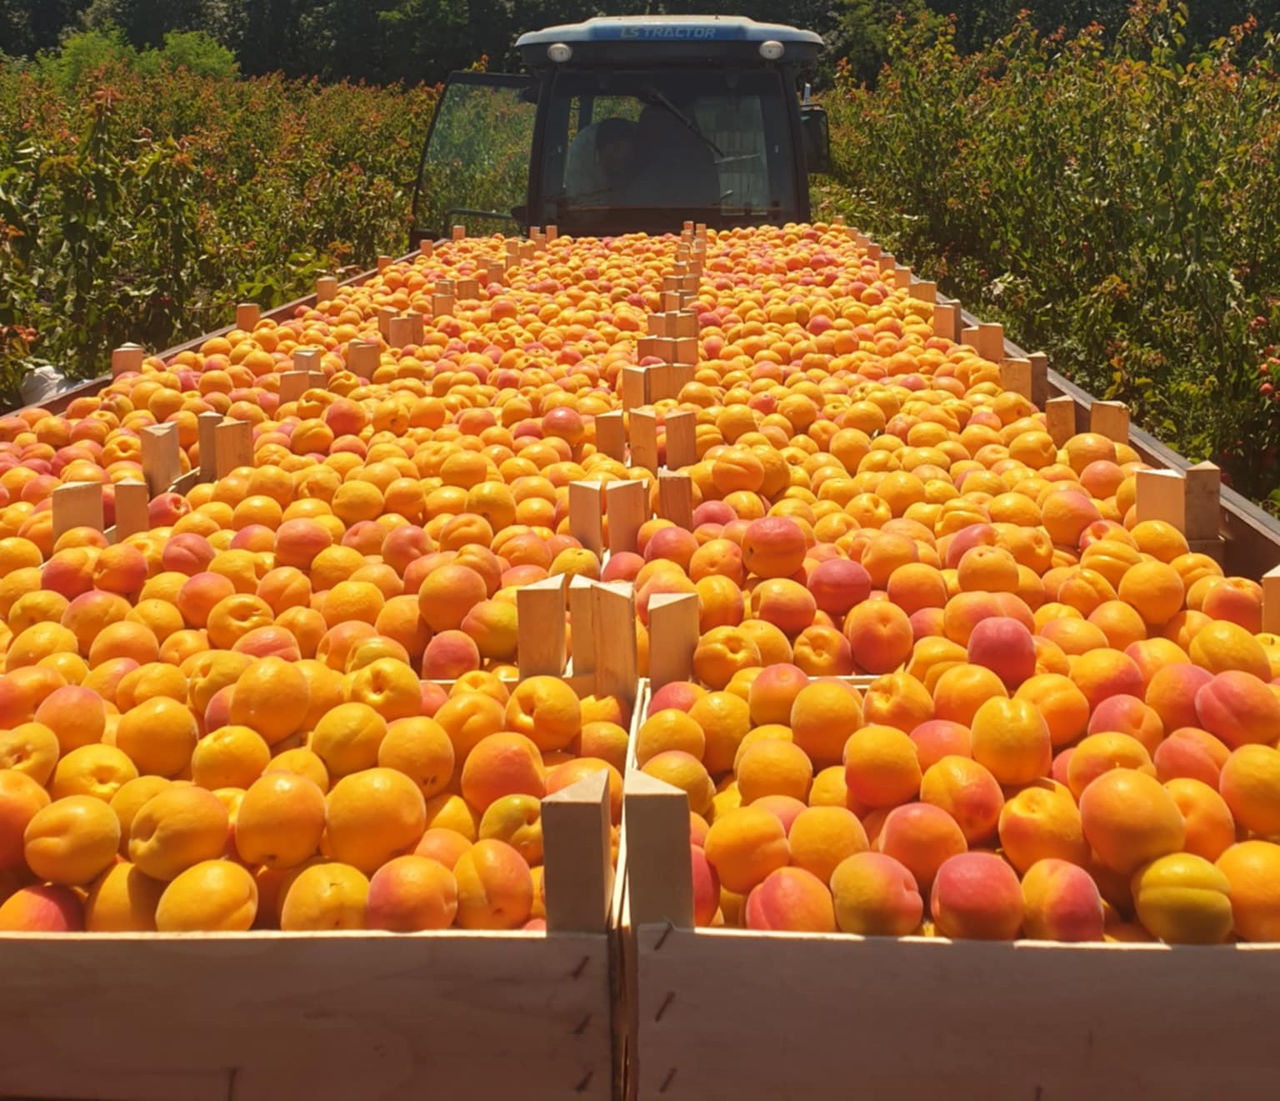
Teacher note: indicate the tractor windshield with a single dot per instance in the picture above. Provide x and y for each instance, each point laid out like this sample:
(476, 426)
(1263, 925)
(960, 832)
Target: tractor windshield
(646, 149)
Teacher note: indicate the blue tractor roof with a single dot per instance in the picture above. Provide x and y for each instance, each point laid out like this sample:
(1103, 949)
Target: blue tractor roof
(657, 39)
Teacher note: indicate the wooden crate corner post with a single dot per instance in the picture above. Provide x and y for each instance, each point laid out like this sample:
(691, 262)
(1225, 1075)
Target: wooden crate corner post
(232, 446)
(643, 435)
(1271, 601)
(681, 427)
(131, 505)
(161, 457)
(673, 637)
(1203, 505)
(626, 508)
(613, 628)
(1060, 419)
(1110, 419)
(611, 435)
(1160, 495)
(675, 497)
(77, 505)
(541, 639)
(577, 862)
(655, 819)
(586, 515)
(206, 426)
(127, 359)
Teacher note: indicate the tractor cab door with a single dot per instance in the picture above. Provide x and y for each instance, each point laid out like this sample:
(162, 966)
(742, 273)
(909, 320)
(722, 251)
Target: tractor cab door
(474, 169)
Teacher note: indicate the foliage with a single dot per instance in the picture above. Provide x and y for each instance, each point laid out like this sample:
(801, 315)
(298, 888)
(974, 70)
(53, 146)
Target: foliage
(140, 199)
(1116, 203)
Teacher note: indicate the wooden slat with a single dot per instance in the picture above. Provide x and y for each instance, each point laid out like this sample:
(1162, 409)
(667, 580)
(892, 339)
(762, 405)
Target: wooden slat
(248, 314)
(634, 390)
(583, 643)
(946, 320)
(673, 637)
(617, 666)
(1161, 495)
(586, 514)
(77, 505)
(363, 358)
(540, 627)
(161, 461)
(322, 1016)
(675, 498)
(1203, 502)
(232, 446)
(1271, 600)
(1060, 419)
(611, 435)
(659, 873)
(627, 507)
(126, 358)
(643, 435)
(1015, 377)
(577, 856)
(131, 503)
(206, 426)
(1110, 419)
(1105, 1022)
(682, 438)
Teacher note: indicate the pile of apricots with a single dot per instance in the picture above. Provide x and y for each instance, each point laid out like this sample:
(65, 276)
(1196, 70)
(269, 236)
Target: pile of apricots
(945, 681)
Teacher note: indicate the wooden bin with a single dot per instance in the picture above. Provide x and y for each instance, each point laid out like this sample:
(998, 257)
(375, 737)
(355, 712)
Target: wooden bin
(265, 1016)
(727, 1013)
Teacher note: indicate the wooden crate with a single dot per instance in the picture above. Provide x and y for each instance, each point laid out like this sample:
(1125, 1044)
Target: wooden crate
(720, 1013)
(270, 1016)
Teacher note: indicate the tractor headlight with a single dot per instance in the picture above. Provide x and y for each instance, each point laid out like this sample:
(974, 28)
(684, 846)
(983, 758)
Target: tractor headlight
(559, 52)
(771, 50)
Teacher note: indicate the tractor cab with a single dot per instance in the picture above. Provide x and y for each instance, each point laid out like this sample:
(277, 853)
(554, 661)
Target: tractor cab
(628, 124)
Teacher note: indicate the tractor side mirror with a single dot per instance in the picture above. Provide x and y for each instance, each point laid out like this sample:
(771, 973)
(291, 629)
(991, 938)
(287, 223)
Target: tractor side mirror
(817, 138)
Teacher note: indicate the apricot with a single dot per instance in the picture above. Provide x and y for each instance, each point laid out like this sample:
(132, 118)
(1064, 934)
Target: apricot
(875, 895)
(411, 893)
(1129, 820)
(1183, 899)
(1252, 869)
(1061, 902)
(744, 846)
(976, 895)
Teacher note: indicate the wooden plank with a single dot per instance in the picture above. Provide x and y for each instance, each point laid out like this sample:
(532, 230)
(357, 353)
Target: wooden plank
(626, 504)
(656, 347)
(161, 458)
(686, 324)
(673, 637)
(127, 358)
(924, 291)
(1110, 419)
(232, 446)
(206, 425)
(442, 305)
(1161, 495)
(1203, 503)
(131, 503)
(990, 341)
(1060, 419)
(946, 320)
(293, 384)
(901, 276)
(643, 435)
(468, 290)
(583, 644)
(577, 856)
(384, 262)
(617, 663)
(675, 498)
(1107, 1022)
(611, 435)
(659, 873)
(634, 390)
(969, 336)
(364, 357)
(540, 627)
(459, 233)
(323, 1016)
(662, 381)
(247, 316)
(1271, 601)
(1039, 378)
(326, 288)
(385, 314)
(77, 505)
(307, 359)
(405, 330)
(657, 324)
(1015, 377)
(586, 515)
(686, 351)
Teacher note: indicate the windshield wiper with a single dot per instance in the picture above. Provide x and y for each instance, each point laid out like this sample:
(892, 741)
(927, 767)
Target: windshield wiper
(688, 123)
